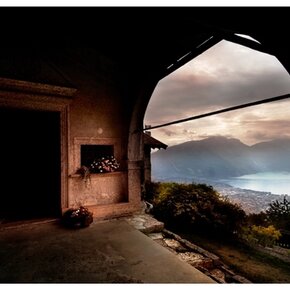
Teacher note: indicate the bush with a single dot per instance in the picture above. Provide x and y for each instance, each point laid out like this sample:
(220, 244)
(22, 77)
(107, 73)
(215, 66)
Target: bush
(265, 236)
(194, 206)
(259, 219)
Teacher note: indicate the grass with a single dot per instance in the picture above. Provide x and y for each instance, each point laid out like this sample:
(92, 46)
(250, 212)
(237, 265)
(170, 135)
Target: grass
(255, 266)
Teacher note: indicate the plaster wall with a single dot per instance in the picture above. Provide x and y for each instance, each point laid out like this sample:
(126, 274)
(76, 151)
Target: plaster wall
(98, 115)
(98, 111)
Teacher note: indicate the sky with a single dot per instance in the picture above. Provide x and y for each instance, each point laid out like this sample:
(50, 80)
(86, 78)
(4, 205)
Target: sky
(226, 75)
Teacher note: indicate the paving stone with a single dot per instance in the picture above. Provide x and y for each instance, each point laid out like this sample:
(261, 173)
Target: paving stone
(175, 245)
(240, 279)
(156, 236)
(205, 263)
(146, 223)
(190, 257)
(218, 275)
(138, 220)
(140, 227)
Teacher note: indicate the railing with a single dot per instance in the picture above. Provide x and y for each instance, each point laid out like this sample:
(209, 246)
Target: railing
(284, 241)
(282, 245)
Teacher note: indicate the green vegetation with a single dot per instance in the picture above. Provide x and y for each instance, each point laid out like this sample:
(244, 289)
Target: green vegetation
(194, 206)
(278, 216)
(246, 261)
(265, 236)
(279, 213)
(202, 215)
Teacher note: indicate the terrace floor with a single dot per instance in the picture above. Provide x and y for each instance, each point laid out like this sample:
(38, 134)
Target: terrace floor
(105, 252)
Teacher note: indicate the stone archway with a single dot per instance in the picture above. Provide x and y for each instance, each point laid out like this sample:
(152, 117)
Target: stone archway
(135, 142)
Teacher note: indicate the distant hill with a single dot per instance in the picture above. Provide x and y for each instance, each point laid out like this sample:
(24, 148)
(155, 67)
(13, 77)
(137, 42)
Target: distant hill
(220, 157)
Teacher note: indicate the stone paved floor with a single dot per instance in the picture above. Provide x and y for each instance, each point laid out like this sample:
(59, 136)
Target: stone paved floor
(126, 250)
(106, 252)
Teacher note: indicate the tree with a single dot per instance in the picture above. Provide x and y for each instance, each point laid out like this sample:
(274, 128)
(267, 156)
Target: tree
(259, 219)
(279, 213)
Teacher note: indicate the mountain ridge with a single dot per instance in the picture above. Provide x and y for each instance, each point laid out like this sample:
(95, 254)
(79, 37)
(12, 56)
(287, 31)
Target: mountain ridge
(220, 157)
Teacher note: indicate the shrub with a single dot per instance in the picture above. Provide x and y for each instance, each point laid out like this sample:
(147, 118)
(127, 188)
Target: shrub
(194, 206)
(265, 236)
(259, 219)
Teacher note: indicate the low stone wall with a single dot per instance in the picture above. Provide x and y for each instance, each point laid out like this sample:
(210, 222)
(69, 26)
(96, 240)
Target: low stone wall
(203, 260)
(278, 252)
(206, 262)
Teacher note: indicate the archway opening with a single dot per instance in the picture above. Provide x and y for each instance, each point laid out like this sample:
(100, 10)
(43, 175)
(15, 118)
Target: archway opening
(225, 75)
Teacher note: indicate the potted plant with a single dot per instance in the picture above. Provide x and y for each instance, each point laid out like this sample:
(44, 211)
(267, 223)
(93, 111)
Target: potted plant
(79, 217)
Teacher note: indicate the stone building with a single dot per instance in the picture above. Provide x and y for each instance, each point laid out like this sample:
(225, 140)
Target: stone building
(149, 144)
(78, 84)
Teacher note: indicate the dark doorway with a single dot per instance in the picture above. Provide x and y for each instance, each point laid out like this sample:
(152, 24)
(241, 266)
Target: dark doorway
(29, 164)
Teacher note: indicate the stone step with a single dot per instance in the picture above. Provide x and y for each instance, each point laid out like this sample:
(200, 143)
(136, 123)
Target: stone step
(145, 223)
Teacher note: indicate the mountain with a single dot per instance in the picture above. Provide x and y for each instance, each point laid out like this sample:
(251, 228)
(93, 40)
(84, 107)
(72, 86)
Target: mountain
(220, 157)
(273, 155)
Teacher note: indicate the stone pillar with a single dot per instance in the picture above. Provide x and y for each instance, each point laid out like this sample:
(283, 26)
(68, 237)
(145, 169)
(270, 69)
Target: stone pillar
(134, 181)
(135, 141)
(147, 164)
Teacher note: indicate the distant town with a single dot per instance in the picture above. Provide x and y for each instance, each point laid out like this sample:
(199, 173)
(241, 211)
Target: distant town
(250, 200)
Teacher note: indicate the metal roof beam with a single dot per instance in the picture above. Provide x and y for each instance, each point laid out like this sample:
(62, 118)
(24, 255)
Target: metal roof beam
(264, 101)
(191, 54)
(247, 42)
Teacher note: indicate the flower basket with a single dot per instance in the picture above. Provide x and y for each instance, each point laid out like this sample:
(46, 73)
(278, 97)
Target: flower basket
(77, 218)
(104, 164)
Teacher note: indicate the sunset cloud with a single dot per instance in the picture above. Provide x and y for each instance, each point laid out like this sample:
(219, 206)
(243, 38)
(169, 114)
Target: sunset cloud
(225, 75)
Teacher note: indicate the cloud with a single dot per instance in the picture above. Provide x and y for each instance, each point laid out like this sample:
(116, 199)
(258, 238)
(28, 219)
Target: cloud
(224, 76)
(187, 98)
(204, 136)
(250, 125)
(168, 132)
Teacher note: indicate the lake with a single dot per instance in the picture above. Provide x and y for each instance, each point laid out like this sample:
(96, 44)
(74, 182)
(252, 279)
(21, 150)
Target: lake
(274, 182)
